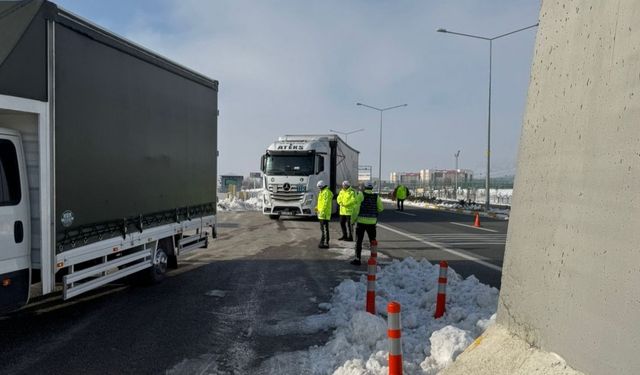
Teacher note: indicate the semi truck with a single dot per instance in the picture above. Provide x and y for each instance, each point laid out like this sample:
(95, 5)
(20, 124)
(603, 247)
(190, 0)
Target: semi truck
(293, 165)
(107, 156)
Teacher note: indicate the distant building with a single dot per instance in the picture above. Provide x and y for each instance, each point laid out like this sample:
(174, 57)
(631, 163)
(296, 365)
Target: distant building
(409, 179)
(228, 180)
(431, 177)
(445, 177)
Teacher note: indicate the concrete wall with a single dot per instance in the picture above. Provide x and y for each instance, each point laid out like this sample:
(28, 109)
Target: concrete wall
(571, 281)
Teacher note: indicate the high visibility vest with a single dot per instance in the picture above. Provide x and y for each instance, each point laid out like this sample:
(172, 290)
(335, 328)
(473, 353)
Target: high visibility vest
(369, 206)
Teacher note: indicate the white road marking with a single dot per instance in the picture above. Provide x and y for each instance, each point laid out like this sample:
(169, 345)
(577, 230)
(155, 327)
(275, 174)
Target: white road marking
(471, 226)
(473, 243)
(406, 213)
(446, 249)
(482, 235)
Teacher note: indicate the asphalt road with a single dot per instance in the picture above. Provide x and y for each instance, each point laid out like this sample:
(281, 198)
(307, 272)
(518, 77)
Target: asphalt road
(441, 235)
(219, 313)
(223, 310)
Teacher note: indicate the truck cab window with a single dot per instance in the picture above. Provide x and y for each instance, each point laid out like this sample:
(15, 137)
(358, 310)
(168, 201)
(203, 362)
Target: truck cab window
(289, 165)
(9, 174)
(320, 164)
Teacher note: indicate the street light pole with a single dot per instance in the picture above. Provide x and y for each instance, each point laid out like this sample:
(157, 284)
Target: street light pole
(456, 155)
(490, 40)
(346, 134)
(380, 152)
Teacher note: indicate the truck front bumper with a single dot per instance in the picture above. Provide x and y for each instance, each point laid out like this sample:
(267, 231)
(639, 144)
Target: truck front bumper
(287, 210)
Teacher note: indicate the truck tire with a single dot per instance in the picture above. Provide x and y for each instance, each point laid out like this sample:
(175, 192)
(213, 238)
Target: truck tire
(158, 270)
(172, 262)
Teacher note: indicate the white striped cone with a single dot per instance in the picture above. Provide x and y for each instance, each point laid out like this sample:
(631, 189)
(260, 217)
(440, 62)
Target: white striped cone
(394, 333)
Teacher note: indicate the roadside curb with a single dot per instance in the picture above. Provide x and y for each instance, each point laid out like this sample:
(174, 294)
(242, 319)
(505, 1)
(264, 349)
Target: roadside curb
(499, 352)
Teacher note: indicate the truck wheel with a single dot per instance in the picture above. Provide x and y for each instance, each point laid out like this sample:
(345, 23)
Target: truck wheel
(158, 270)
(172, 262)
(274, 217)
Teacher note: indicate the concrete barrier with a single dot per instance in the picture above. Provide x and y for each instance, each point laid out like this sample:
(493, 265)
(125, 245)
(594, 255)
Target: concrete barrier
(571, 273)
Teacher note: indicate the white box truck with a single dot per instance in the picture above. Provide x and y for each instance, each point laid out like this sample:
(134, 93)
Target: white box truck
(107, 156)
(293, 165)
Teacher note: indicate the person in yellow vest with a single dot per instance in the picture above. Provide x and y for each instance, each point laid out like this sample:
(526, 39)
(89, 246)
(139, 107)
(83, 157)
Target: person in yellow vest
(346, 201)
(369, 205)
(401, 193)
(323, 209)
(356, 206)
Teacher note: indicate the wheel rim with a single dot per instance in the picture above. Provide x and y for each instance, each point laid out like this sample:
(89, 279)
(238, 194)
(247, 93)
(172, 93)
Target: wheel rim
(160, 261)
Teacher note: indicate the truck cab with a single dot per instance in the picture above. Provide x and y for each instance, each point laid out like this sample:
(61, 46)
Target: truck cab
(293, 165)
(289, 181)
(15, 228)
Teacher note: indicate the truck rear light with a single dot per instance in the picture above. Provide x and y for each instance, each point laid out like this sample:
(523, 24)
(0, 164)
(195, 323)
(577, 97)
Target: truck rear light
(6, 282)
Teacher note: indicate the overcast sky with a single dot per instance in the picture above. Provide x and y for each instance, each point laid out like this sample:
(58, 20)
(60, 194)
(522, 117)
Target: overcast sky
(299, 67)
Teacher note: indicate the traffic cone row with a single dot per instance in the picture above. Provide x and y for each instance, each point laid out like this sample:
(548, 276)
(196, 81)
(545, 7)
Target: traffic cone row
(394, 331)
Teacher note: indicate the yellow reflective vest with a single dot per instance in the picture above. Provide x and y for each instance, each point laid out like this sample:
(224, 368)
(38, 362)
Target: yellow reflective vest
(379, 208)
(347, 201)
(402, 192)
(323, 208)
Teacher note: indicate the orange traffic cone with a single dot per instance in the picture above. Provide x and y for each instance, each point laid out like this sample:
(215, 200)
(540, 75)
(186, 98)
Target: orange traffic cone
(477, 222)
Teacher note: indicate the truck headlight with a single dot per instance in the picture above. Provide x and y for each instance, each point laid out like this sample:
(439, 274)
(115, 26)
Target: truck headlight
(308, 199)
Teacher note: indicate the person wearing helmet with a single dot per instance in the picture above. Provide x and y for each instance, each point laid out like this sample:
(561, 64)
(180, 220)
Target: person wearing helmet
(346, 201)
(323, 209)
(369, 205)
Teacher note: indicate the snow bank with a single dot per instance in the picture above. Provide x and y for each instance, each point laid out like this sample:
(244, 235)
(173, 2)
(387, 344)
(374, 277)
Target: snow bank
(234, 204)
(359, 343)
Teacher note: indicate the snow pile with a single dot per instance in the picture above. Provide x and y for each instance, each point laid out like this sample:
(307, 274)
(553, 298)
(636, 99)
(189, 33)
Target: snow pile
(235, 204)
(359, 343)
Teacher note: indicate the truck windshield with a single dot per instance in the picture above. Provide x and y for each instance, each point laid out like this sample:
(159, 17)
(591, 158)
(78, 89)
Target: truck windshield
(290, 165)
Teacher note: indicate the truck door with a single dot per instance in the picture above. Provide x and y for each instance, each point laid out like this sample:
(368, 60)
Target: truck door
(15, 234)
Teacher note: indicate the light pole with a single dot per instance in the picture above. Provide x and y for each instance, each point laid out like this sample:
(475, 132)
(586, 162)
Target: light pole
(457, 154)
(380, 153)
(346, 134)
(489, 112)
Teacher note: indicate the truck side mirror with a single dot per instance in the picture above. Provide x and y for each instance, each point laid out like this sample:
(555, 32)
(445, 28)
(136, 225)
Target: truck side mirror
(320, 164)
(262, 160)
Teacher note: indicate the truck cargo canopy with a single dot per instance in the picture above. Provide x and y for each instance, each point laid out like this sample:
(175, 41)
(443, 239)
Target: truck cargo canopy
(23, 60)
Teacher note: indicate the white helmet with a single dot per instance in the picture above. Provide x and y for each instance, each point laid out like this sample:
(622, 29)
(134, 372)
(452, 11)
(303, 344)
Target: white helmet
(321, 184)
(346, 183)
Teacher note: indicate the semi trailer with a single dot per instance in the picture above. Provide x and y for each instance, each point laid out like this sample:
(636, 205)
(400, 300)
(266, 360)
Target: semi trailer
(293, 165)
(107, 156)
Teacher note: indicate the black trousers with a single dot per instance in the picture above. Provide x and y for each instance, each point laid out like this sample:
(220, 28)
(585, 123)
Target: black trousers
(360, 229)
(324, 229)
(347, 227)
(400, 203)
